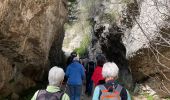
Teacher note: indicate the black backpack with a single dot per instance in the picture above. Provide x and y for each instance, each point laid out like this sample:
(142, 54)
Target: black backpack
(90, 68)
(45, 95)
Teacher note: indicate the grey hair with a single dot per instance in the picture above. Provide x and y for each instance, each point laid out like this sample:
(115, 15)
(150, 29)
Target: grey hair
(55, 76)
(110, 69)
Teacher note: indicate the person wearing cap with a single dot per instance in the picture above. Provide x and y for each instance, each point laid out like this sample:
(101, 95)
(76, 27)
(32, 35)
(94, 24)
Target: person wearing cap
(75, 74)
(89, 71)
(110, 73)
(53, 91)
(70, 58)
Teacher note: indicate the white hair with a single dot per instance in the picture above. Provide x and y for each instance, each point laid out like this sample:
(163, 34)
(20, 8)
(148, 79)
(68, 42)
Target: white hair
(55, 75)
(110, 69)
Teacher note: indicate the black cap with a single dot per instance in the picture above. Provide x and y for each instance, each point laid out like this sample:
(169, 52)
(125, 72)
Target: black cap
(74, 54)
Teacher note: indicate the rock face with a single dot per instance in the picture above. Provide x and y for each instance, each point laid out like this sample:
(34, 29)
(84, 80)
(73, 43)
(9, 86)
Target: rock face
(147, 44)
(138, 31)
(29, 30)
(107, 38)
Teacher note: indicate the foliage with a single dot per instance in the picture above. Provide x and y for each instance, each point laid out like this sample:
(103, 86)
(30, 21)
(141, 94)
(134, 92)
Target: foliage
(127, 1)
(110, 17)
(82, 50)
(149, 97)
(72, 11)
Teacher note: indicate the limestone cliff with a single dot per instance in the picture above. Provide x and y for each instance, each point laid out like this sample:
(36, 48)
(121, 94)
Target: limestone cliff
(135, 35)
(125, 28)
(29, 31)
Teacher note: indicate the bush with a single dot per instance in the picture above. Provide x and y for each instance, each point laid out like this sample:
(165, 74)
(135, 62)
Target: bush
(83, 49)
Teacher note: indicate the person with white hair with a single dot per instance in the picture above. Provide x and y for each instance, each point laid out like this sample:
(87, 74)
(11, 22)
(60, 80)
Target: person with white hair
(75, 73)
(53, 91)
(111, 90)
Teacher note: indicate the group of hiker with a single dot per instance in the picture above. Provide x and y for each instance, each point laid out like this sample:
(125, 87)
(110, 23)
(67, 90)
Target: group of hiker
(100, 74)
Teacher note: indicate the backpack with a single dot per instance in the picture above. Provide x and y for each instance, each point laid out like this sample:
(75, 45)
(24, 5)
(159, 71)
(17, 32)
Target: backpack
(45, 95)
(90, 68)
(113, 95)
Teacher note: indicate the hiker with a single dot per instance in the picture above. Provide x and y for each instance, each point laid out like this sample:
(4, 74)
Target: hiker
(97, 74)
(70, 58)
(69, 61)
(89, 83)
(75, 74)
(53, 91)
(110, 90)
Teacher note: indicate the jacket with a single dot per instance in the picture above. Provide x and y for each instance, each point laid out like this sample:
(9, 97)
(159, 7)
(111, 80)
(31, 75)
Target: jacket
(124, 94)
(75, 73)
(97, 76)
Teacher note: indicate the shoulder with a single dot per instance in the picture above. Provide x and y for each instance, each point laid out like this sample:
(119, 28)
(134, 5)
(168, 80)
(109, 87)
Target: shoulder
(98, 88)
(96, 93)
(98, 68)
(35, 95)
(65, 97)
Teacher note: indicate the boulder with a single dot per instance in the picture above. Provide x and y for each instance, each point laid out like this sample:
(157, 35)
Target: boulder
(28, 29)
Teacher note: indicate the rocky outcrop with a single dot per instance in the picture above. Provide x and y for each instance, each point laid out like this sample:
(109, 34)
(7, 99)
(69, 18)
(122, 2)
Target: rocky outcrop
(28, 32)
(153, 69)
(147, 43)
(138, 31)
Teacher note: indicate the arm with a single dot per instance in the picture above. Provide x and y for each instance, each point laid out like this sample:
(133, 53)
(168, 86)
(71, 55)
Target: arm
(123, 94)
(129, 97)
(96, 93)
(35, 96)
(67, 71)
(65, 97)
(82, 72)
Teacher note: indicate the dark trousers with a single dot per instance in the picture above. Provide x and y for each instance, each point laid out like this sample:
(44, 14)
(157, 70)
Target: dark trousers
(89, 85)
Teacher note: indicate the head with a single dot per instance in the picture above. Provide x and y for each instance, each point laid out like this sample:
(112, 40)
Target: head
(74, 54)
(55, 76)
(100, 60)
(110, 70)
(75, 59)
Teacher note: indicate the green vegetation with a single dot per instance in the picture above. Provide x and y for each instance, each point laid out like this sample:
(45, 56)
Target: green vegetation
(150, 97)
(109, 17)
(83, 49)
(127, 1)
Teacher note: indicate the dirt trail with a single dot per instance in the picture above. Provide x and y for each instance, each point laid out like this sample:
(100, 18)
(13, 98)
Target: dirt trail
(83, 95)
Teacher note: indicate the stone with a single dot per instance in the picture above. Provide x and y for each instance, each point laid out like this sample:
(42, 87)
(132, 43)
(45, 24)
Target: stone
(28, 29)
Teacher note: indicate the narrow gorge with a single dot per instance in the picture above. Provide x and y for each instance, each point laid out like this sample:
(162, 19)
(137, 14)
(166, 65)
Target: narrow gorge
(38, 34)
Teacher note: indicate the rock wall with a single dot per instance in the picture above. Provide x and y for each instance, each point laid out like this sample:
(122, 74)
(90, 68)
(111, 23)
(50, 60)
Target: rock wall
(28, 31)
(147, 44)
(137, 31)
(107, 38)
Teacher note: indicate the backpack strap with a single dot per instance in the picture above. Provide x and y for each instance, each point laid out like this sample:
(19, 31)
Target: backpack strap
(103, 90)
(102, 87)
(59, 94)
(119, 89)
